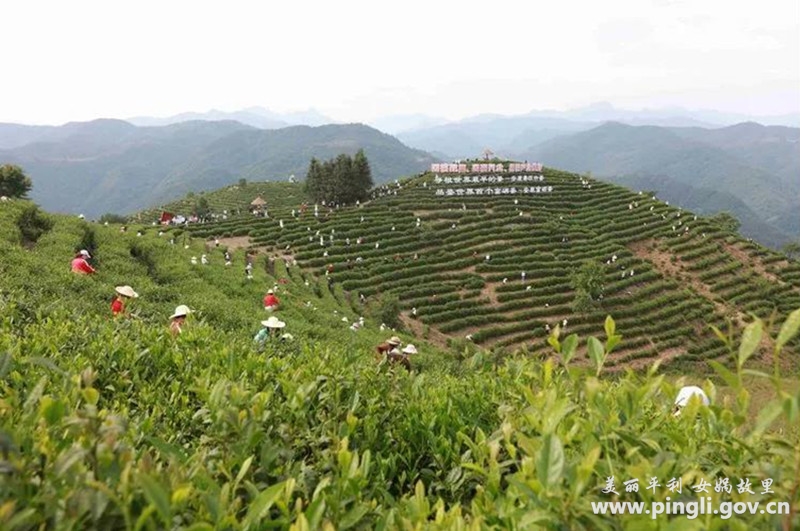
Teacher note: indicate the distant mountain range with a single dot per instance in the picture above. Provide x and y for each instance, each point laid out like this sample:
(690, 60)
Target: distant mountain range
(114, 166)
(697, 159)
(751, 170)
(510, 135)
(253, 116)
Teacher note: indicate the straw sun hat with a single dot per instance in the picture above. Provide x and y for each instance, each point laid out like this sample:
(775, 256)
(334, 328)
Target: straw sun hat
(273, 322)
(394, 341)
(181, 311)
(126, 291)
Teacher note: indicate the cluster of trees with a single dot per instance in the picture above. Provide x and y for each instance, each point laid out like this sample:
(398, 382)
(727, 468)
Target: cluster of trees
(13, 181)
(340, 180)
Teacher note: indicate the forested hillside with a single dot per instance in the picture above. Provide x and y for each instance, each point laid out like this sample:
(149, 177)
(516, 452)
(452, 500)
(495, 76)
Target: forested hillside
(755, 164)
(113, 166)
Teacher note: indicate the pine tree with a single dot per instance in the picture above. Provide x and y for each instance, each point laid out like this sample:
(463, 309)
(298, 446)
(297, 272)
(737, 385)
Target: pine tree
(362, 176)
(341, 180)
(313, 179)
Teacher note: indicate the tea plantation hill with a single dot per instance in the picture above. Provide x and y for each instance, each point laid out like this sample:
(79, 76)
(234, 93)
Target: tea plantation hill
(673, 275)
(232, 200)
(114, 424)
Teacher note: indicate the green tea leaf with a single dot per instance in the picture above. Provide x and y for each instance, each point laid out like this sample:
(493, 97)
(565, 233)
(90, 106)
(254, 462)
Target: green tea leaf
(730, 378)
(568, 348)
(91, 395)
(550, 462)
(596, 353)
(788, 330)
(750, 340)
(353, 516)
(156, 495)
(260, 506)
(717, 332)
(610, 326)
(767, 416)
(243, 470)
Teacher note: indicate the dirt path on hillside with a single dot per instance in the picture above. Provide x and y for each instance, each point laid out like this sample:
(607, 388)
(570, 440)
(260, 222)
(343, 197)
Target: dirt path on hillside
(756, 263)
(234, 243)
(488, 291)
(662, 260)
(416, 327)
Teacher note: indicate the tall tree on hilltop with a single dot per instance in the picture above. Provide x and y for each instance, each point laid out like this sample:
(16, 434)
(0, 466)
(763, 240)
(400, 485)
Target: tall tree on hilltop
(340, 180)
(314, 179)
(13, 181)
(363, 175)
(343, 179)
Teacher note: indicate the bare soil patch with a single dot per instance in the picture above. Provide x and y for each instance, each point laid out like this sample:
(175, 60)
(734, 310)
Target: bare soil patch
(755, 262)
(663, 260)
(416, 327)
(234, 243)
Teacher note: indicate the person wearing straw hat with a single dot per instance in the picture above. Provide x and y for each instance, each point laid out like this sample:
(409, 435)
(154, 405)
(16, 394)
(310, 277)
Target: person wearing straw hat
(402, 356)
(269, 330)
(80, 264)
(118, 304)
(178, 318)
(687, 394)
(386, 347)
(409, 349)
(271, 301)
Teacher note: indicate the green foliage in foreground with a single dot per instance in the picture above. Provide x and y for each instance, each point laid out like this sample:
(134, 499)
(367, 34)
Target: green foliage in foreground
(114, 424)
(119, 426)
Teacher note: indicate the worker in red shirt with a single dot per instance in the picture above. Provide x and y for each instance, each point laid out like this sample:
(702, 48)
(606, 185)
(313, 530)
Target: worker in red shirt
(118, 304)
(80, 265)
(270, 301)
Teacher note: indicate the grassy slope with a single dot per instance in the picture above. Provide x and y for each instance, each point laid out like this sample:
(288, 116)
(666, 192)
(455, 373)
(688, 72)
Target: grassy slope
(114, 424)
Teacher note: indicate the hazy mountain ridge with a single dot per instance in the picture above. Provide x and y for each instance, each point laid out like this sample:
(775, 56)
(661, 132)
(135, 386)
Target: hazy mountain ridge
(460, 138)
(253, 116)
(113, 166)
(718, 160)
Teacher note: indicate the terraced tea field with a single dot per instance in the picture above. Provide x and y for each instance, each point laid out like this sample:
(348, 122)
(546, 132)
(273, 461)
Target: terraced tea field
(233, 201)
(495, 269)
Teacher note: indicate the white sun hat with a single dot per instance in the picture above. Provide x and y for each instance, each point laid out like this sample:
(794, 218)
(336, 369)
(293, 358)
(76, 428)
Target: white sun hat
(85, 253)
(410, 349)
(126, 291)
(686, 393)
(273, 322)
(181, 311)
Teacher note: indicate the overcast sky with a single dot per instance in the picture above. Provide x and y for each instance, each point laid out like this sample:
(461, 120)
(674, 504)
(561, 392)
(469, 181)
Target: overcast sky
(357, 60)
